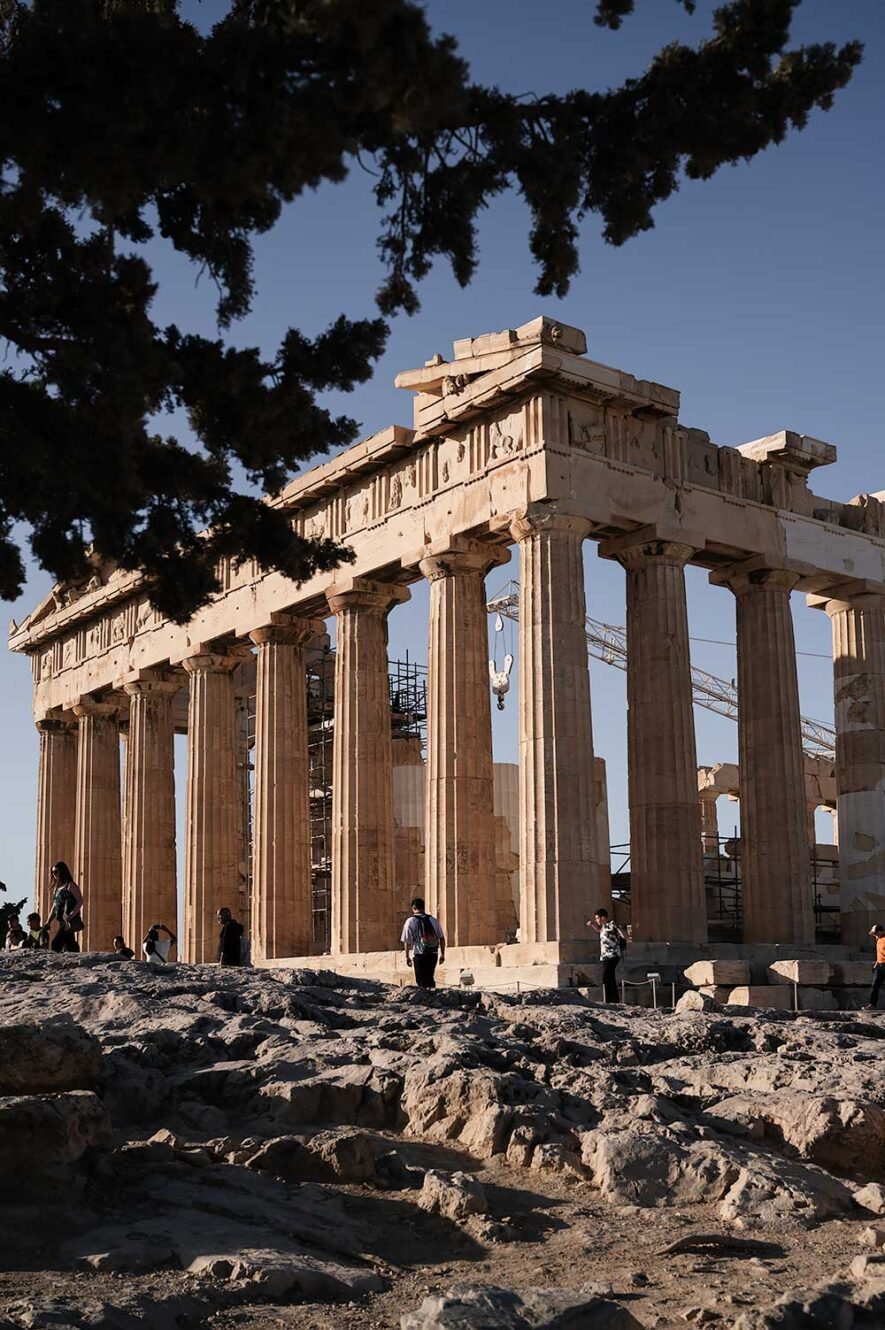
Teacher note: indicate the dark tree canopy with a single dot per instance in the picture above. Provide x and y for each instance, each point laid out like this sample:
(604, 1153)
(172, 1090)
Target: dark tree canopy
(120, 122)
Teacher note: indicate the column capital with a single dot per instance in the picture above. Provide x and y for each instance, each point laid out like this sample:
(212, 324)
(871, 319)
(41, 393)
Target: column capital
(363, 593)
(208, 660)
(841, 603)
(448, 558)
(89, 706)
(537, 517)
(658, 543)
(755, 575)
(153, 682)
(287, 630)
(64, 724)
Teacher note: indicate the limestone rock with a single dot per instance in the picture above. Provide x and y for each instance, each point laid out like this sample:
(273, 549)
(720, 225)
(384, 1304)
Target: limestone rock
(345, 1156)
(872, 1198)
(780, 1191)
(454, 1195)
(869, 1267)
(647, 1166)
(46, 1058)
(490, 1308)
(694, 1001)
(38, 1132)
(837, 1133)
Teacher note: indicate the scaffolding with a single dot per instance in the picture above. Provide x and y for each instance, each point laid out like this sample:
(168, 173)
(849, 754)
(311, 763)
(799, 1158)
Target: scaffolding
(408, 719)
(723, 890)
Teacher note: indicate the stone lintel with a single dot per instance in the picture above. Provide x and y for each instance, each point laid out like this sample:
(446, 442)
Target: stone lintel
(800, 452)
(363, 592)
(653, 541)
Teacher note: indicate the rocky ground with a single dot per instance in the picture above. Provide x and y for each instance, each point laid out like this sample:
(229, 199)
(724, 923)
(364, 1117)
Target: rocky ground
(195, 1147)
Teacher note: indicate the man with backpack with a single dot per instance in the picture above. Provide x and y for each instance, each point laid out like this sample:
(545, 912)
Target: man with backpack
(424, 942)
(612, 945)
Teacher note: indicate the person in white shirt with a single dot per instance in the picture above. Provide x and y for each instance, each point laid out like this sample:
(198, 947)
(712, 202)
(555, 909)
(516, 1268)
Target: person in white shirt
(424, 942)
(612, 944)
(156, 949)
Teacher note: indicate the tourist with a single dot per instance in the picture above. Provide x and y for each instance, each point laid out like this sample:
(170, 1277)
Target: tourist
(156, 949)
(230, 938)
(878, 932)
(612, 944)
(424, 942)
(67, 905)
(38, 936)
(16, 938)
(120, 948)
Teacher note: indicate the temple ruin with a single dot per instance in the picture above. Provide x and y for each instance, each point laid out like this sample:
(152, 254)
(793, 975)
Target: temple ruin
(522, 448)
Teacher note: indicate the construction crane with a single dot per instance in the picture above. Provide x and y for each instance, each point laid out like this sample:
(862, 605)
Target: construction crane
(608, 643)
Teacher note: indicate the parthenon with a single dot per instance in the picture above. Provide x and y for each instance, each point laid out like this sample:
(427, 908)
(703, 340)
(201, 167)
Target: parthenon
(521, 448)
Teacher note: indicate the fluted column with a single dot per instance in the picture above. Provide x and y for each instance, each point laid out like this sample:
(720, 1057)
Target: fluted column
(56, 803)
(563, 876)
(775, 862)
(459, 847)
(97, 863)
(365, 907)
(211, 863)
(666, 868)
(859, 687)
(150, 889)
(281, 883)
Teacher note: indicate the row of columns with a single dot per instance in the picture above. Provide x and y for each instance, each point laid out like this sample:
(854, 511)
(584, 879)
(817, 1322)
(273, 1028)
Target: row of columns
(564, 868)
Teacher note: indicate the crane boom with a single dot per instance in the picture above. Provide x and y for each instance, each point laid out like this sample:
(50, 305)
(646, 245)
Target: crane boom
(608, 643)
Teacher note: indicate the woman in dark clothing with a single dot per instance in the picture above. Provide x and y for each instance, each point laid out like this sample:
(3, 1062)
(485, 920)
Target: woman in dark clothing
(67, 904)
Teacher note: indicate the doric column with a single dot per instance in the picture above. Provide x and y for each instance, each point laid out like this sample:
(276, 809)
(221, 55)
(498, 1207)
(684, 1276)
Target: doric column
(859, 687)
(365, 909)
(212, 836)
(56, 803)
(150, 892)
(281, 884)
(775, 863)
(97, 863)
(562, 865)
(459, 845)
(709, 815)
(666, 867)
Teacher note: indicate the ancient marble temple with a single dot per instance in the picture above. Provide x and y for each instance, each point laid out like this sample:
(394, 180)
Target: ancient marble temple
(522, 449)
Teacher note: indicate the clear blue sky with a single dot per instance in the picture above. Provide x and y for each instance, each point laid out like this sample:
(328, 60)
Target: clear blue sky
(759, 295)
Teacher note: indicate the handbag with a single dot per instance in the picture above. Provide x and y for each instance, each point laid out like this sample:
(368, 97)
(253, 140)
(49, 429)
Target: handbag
(74, 923)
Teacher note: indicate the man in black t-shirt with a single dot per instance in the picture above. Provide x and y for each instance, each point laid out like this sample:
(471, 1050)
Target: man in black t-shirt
(229, 939)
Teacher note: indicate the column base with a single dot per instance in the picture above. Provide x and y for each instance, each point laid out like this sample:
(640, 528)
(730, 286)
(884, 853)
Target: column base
(516, 967)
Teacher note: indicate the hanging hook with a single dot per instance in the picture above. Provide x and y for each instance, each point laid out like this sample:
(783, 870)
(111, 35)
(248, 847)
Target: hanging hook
(500, 679)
